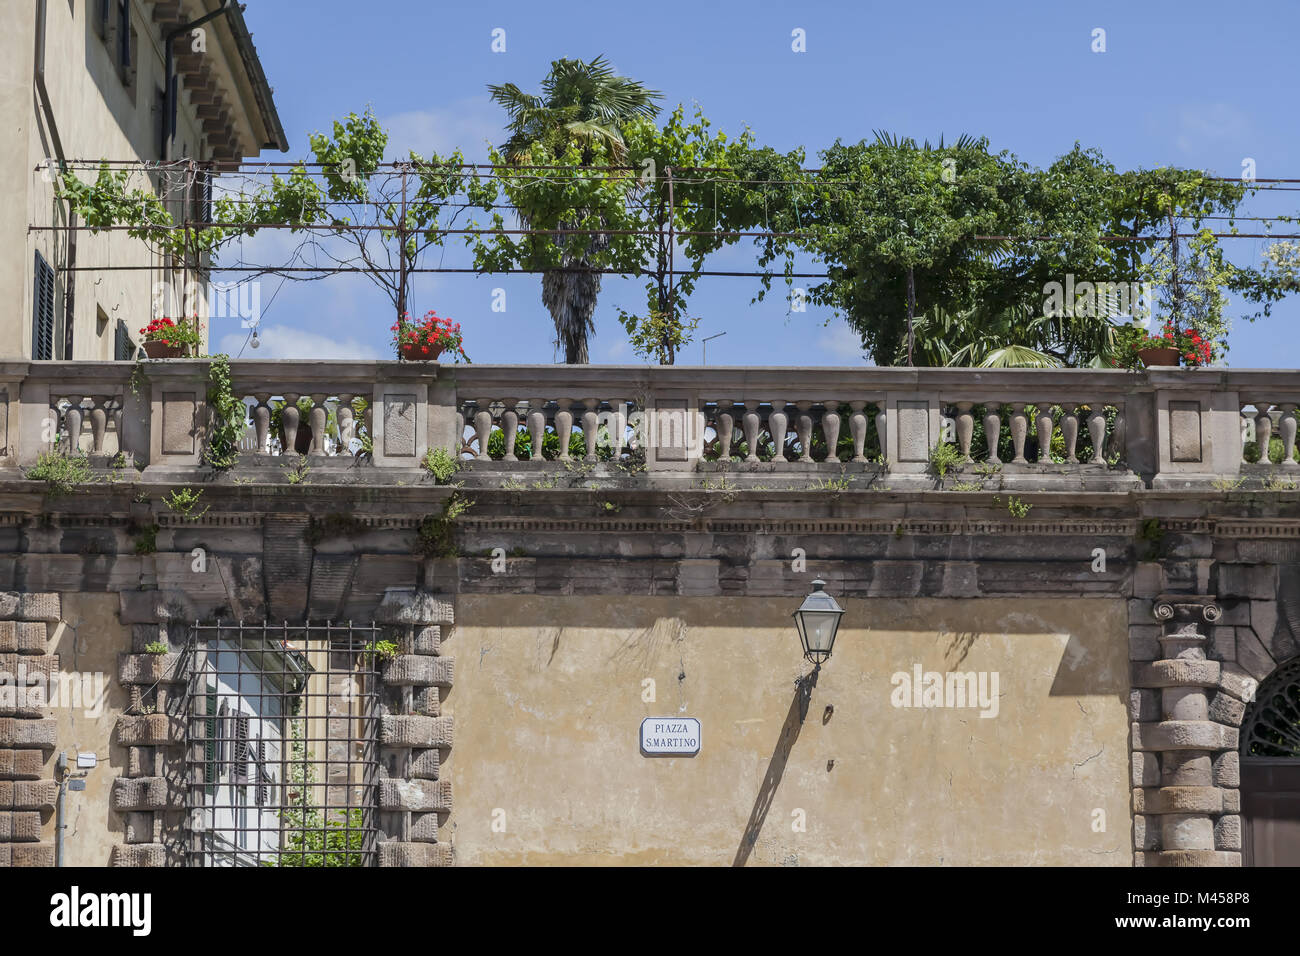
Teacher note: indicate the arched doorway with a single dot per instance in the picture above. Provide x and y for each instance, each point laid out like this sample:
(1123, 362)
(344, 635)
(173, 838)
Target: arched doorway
(1270, 771)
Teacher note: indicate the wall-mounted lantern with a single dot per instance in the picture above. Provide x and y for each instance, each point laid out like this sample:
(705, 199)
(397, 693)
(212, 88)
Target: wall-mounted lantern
(817, 620)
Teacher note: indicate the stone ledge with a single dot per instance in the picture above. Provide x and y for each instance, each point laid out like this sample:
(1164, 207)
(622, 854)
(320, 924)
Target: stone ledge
(1184, 735)
(415, 795)
(414, 854)
(139, 855)
(1176, 673)
(1165, 858)
(413, 731)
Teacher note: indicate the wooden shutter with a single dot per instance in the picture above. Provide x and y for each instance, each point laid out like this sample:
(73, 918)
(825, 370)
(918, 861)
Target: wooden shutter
(259, 754)
(210, 742)
(43, 310)
(241, 749)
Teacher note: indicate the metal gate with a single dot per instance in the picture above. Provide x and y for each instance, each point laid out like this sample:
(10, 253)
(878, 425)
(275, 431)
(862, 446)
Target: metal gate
(282, 753)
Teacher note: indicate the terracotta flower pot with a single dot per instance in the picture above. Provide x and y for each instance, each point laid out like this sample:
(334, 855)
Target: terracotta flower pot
(416, 353)
(159, 350)
(1159, 357)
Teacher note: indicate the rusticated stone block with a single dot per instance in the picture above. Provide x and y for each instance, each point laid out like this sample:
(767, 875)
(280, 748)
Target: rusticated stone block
(35, 794)
(1227, 832)
(1183, 735)
(23, 733)
(21, 764)
(427, 640)
(1188, 858)
(145, 793)
(6, 855)
(1237, 682)
(415, 795)
(418, 670)
(149, 730)
(32, 637)
(409, 606)
(37, 606)
(424, 827)
(1146, 832)
(1146, 770)
(1144, 642)
(426, 701)
(7, 794)
(1143, 705)
(1246, 581)
(1227, 769)
(139, 855)
(412, 731)
(414, 854)
(1226, 709)
(8, 637)
(1232, 801)
(1177, 673)
(149, 668)
(425, 764)
(1178, 800)
(20, 826)
(33, 854)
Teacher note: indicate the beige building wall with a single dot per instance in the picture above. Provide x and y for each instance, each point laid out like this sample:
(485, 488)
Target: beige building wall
(95, 116)
(548, 700)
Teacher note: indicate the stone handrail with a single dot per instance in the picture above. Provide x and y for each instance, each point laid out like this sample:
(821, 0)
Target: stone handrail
(1068, 428)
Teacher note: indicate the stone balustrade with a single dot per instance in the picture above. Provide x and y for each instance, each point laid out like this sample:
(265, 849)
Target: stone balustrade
(1050, 429)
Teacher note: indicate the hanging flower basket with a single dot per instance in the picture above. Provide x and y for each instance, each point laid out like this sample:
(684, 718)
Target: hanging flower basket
(1152, 358)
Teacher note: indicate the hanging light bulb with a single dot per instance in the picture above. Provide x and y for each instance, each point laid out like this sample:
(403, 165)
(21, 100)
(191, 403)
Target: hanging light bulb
(256, 341)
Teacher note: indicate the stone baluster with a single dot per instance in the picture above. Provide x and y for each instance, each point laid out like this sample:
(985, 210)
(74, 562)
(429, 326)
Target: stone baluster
(564, 425)
(752, 421)
(778, 423)
(370, 424)
(318, 418)
(993, 431)
(881, 420)
(1019, 429)
(1118, 434)
(1263, 430)
(1286, 428)
(117, 425)
(831, 430)
(483, 426)
(510, 427)
(965, 429)
(858, 429)
(72, 417)
(724, 424)
(536, 428)
(1070, 430)
(262, 422)
(617, 426)
(1097, 432)
(803, 429)
(347, 422)
(289, 418)
(1043, 427)
(590, 426)
(98, 423)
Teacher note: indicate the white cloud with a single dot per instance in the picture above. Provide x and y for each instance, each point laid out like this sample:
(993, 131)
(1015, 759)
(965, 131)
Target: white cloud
(1204, 124)
(839, 339)
(468, 124)
(283, 342)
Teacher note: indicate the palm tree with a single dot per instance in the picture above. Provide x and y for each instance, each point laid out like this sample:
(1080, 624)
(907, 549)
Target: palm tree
(586, 103)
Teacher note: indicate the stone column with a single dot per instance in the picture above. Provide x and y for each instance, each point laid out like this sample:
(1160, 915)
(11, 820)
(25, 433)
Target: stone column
(1176, 804)
(414, 796)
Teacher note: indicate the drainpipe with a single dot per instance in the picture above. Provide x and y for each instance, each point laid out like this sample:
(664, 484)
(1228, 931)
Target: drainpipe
(61, 768)
(170, 84)
(70, 290)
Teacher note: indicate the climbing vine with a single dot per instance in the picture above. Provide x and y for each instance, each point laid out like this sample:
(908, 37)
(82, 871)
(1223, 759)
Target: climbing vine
(229, 416)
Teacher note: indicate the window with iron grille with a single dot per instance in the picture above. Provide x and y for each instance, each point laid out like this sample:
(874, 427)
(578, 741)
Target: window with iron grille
(43, 310)
(282, 746)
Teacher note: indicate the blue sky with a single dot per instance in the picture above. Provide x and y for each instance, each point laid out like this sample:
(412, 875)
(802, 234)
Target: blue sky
(1190, 83)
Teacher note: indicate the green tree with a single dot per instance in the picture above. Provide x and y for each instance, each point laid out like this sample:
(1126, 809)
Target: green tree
(575, 123)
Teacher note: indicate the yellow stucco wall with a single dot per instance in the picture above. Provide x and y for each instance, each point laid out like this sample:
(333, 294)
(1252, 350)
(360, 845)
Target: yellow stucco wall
(548, 701)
